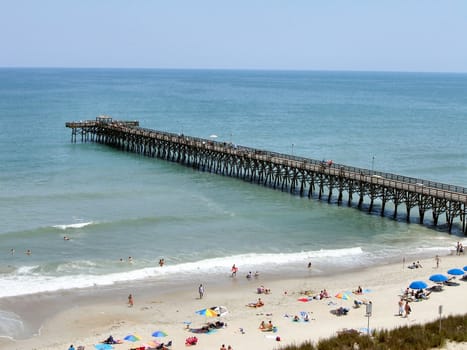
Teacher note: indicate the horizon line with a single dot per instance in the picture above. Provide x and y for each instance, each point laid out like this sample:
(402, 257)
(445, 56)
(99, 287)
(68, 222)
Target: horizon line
(235, 69)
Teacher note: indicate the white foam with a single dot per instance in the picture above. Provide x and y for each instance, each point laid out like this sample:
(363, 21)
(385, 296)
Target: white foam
(73, 226)
(28, 281)
(10, 325)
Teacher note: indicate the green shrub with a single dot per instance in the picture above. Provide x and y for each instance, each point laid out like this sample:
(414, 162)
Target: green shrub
(416, 337)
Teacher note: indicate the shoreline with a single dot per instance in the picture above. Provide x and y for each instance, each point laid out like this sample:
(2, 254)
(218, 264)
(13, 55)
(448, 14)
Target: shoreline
(85, 317)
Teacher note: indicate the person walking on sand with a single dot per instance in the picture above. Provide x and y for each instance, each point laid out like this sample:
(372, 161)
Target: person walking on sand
(401, 307)
(201, 291)
(407, 309)
(437, 259)
(223, 347)
(130, 301)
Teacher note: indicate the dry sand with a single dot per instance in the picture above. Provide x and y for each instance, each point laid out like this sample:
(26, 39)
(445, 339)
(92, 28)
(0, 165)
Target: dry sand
(86, 318)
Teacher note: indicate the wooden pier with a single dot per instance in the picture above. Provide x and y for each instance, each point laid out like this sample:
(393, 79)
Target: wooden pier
(297, 175)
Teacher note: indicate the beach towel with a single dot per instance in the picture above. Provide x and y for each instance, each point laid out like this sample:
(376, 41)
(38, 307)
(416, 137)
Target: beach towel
(103, 346)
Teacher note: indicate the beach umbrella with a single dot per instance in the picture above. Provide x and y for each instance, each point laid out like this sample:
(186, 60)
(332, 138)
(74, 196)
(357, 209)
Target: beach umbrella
(456, 272)
(159, 334)
(418, 285)
(207, 312)
(220, 310)
(438, 278)
(132, 337)
(343, 295)
(465, 268)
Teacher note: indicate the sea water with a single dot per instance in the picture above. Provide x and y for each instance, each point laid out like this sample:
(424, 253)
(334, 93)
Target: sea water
(114, 205)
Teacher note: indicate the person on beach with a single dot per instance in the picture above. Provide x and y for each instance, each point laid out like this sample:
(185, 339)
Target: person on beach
(229, 348)
(401, 307)
(12, 251)
(359, 290)
(407, 309)
(161, 262)
(201, 291)
(248, 275)
(437, 260)
(309, 265)
(130, 300)
(130, 259)
(223, 347)
(234, 270)
(259, 303)
(71, 347)
(28, 252)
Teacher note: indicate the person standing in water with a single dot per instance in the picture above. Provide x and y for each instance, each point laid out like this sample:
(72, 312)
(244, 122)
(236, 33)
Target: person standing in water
(234, 270)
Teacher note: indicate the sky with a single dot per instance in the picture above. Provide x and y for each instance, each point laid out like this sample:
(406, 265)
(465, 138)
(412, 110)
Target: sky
(362, 35)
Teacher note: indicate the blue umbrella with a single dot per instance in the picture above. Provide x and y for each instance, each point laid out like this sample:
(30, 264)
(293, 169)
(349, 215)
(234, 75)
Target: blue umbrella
(418, 285)
(438, 278)
(465, 268)
(457, 272)
(159, 334)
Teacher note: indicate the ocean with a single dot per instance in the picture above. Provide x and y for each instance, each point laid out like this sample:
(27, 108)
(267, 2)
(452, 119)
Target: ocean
(114, 205)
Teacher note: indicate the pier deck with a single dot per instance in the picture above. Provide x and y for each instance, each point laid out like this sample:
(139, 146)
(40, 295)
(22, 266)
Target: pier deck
(298, 175)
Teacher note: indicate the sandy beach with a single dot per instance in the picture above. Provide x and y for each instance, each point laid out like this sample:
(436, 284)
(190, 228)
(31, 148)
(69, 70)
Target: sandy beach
(87, 317)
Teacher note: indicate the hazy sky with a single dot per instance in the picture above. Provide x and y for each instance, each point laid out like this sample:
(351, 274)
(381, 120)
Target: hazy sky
(387, 35)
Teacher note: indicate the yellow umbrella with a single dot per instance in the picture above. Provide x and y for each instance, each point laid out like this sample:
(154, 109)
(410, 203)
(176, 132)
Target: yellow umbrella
(207, 312)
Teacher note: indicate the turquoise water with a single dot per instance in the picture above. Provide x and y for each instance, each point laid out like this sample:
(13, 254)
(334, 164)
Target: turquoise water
(113, 205)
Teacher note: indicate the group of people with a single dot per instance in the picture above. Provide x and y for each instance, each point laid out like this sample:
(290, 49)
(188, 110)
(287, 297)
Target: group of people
(415, 265)
(226, 348)
(262, 290)
(249, 274)
(404, 308)
(27, 252)
(322, 294)
(266, 327)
